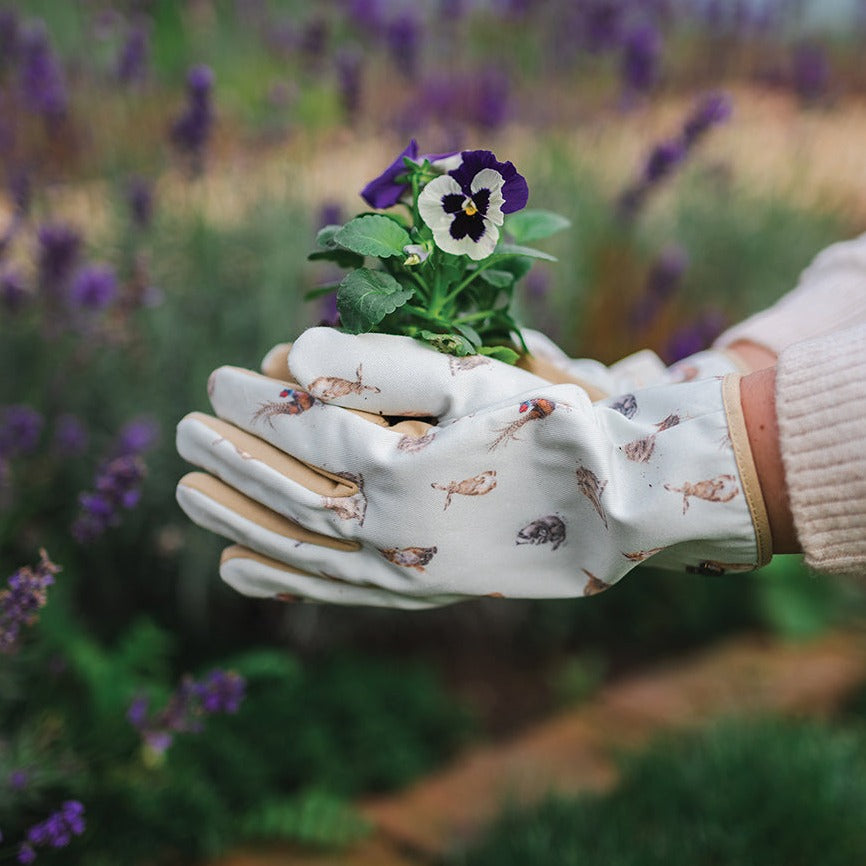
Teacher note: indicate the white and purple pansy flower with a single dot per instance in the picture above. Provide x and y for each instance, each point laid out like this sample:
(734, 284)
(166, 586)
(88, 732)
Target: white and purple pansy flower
(465, 207)
(390, 186)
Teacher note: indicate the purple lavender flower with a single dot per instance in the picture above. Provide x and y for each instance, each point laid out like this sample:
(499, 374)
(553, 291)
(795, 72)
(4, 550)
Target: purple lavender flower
(59, 247)
(602, 24)
(712, 109)
(662, 160)
(20, 429)
(313, 40)
(133, 57)
(641, 53)
(20, 190)
(218, 692)
(70, 436)
(403, 37)
(10, 34)
(13, 292)
(695, 336)
(26, 853)
(43, 87)
(94, 288)
(810, 72)
(349, 66)
(492, 89)
(139, 198)
(192, 129)
(537, 284)
(20, 602)
(330, 214)
(57, 830)
(18, 780)
(663, 279)
(367, 16)
(136, 437)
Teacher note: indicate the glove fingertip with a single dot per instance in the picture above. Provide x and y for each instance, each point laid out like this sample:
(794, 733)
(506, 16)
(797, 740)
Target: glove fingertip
(276, 363)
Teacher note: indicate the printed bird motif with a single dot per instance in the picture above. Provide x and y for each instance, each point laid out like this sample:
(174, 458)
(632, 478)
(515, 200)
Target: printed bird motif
(593, 585)
(626, 405)
(330, 387)
(409, 557)
(476, 486)
(352, 507)
(592, 488)
(411, 444)
(468, 362)
(640, 450)
(294, 403)
(546, 530)
(722, 488)
(641, 555)
(530, 410)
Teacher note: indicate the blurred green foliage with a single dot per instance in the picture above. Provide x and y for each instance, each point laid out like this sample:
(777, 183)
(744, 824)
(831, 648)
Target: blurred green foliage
(769, 792)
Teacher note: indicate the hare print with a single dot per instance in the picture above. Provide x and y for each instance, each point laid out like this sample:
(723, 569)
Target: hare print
(330, 387)
(352, 507)
(722, 488)
(477, 486)
(469, 362)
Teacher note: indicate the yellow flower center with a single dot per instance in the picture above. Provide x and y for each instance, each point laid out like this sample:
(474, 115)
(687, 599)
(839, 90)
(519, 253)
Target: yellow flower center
(469, 208)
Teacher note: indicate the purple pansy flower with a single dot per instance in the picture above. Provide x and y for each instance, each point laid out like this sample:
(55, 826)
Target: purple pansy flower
(387, 189)
(465, 208)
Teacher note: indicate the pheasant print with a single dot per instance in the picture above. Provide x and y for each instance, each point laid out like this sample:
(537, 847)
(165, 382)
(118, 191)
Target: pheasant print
(477, 486)
(641, 555)
(530, 410)
(546, 530)
(626, 405)
(593, 585)
(409, 557)
(330, 387)
(411, 444)
(722, 488)
(469, 362)
(592, 489)
(294, 403)
(352, 507)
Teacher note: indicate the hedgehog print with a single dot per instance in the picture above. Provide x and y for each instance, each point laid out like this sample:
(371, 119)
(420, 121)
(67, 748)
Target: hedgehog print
(476, 486)
(331, 387)
(546, 530)
(722, 488)
(293, 403)
(625, 405)
(530, 410)
(409, 557)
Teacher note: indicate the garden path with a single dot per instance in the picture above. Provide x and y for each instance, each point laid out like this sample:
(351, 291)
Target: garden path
(574, 750)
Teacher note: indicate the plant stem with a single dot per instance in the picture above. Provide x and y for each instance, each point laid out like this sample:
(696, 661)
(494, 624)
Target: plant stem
(428, 317)
(462, 285)
(474, 317)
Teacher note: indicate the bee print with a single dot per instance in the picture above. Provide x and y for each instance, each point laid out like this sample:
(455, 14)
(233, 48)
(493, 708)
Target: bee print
(330, 387)
(592, 488)
(469, 362)
(641, 555)
(409, 557)
(640, 450)
(349, 507)
(546, 530)
(626, 405)
(477, 486)
(530, 410)
(713, 568)
(294, 403)
(722, 488)
(411, 444)
(593, 585)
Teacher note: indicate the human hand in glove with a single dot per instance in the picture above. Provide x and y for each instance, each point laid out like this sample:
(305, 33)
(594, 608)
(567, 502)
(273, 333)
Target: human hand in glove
(522, 488)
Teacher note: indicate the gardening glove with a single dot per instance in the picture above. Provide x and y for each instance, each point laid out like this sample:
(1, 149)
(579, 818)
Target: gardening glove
(829, 296)
(521, 489)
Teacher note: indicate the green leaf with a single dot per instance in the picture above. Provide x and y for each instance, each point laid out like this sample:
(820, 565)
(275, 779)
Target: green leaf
(517, 266)
(342, 258)
(325, 237)
(470, 333)
(450, 344)
(320, 291)
(534, 225)
(501, 353)
(498, 279)
(517, 250)
(365, 297)
(373, 235)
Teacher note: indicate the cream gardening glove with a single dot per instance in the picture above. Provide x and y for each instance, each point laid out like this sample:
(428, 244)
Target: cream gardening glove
(522, 488)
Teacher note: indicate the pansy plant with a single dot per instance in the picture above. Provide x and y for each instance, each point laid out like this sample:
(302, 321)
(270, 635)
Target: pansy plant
(445, 272)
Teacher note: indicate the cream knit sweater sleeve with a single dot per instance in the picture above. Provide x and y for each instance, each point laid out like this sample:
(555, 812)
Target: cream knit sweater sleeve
(821, 408)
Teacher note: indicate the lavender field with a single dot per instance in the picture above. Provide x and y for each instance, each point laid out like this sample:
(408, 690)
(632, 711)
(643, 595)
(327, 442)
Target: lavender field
(164, 169)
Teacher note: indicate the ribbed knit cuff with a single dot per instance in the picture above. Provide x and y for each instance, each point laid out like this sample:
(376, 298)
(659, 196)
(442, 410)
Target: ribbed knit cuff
(821, 409)
(831, 294)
